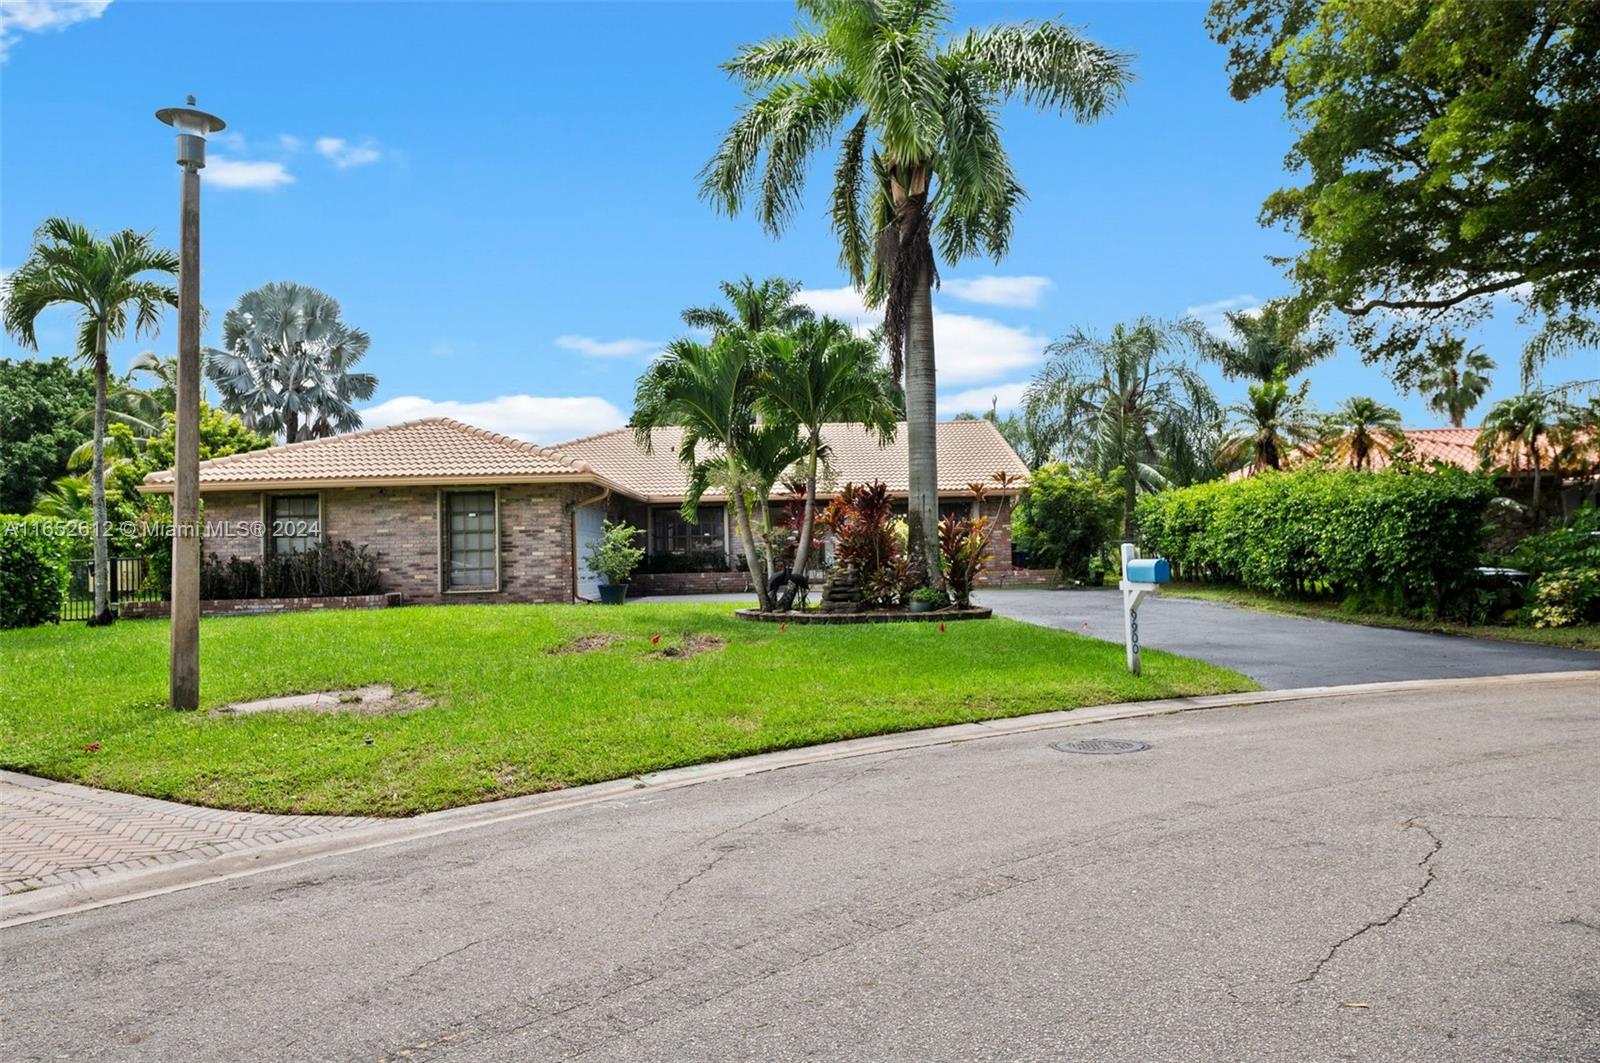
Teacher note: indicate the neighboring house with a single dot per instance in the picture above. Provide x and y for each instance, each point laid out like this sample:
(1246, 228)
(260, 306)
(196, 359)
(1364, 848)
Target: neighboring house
(458, 513)
(1449, 446)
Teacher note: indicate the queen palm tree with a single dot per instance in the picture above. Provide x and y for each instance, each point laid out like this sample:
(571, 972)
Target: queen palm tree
(1521, 427)
(70, 265)
(1126, 404)
(1359, 429)
(706, 389)
(822, 372)
(754, 307)
(1455, 378)
(287, 363)
(920, 161)
(1272, 424)
(1262, 345)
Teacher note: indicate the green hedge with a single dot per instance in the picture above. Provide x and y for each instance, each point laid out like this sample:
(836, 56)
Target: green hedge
(1401, 540)
(33, 571)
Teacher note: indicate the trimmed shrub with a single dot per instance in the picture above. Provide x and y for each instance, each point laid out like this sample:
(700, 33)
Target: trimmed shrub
(1064, 519)
(33, 571)
(1403, 541)
(324, 570)
(1564, 564)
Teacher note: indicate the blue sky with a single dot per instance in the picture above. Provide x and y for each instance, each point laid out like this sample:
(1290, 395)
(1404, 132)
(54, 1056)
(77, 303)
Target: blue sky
(504, 194)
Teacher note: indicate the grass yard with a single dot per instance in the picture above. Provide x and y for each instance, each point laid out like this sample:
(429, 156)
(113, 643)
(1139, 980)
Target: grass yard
(1579, 636)
(518, 707)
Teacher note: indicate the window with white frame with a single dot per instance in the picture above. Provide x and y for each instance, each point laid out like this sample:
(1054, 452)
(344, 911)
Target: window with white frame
(471, 533)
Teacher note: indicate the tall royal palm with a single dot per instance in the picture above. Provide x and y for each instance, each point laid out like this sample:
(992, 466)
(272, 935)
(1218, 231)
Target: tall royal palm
(753, 306)
(1127, 403)
(921, 164)
(71, 266)
(1455, 378)
(288, 363)
(817, 373)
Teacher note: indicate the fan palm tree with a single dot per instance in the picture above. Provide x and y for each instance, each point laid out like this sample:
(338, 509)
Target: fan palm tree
(706, 389)
(1126, 404)
(920, 161)
(822, 372)
(1360, 429)
(1455, 379)
(1521, 427)
(287, 363)
(70, 265)
(1262, 345)
(754, 307)
(1271, 425)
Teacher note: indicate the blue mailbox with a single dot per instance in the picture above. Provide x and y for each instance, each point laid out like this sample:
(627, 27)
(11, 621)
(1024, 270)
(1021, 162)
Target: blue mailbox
(1149, 570)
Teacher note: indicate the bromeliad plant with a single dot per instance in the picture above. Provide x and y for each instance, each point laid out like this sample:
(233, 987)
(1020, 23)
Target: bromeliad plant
(963, 554)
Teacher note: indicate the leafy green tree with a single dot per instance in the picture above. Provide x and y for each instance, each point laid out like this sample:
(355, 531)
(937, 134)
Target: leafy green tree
(819, 373)
(1066, 517)
(1264, 343)
(71, 266)
(920, 163)
(1359, 429)
(1273, 423)
(752, 307)
(706, 389)
(1522, 428)
(40, 401)
(288, 363)
(1454, 379)
(1448, 152)
(1128, 402)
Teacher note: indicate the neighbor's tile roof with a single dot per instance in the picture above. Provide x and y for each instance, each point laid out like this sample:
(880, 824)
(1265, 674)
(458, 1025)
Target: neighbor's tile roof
(968, 451)
(1449, 446)
(436, 449)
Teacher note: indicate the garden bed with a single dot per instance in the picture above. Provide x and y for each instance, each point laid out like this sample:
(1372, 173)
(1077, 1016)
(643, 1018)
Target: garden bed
(865, 616)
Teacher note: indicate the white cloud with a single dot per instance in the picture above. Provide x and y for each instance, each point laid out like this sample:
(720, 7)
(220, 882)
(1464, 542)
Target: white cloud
(533, 418)
(623, 348)
(344, 154)
(997, 291)
(1212, 314)
(236, 173)
(290, 142)
(42, 16)
(967, 349)
(1004, 397)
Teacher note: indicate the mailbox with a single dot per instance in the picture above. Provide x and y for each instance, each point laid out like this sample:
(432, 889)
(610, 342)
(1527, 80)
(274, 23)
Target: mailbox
(1149, 570)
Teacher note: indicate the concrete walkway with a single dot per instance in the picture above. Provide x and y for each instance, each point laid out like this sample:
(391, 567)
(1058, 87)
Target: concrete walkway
(60, 834)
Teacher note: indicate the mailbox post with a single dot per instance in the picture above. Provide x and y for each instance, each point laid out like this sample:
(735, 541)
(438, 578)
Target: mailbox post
(1140, 577)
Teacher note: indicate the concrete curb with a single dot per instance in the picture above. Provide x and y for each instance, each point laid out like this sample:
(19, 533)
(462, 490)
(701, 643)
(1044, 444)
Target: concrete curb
(54, 901)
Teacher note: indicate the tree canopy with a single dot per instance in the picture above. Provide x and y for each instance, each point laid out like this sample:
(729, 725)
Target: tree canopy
(1448, 150)
(40, 401)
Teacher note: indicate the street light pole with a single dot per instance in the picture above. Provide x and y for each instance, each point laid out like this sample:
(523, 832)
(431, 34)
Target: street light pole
(184, 675)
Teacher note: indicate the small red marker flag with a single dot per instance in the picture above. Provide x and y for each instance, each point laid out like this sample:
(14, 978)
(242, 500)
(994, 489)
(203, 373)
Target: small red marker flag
(783, 627)
(941, 628)
(655, 640)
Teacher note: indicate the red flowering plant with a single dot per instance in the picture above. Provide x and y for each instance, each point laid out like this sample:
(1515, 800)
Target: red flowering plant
(963, 554)
(862, 523)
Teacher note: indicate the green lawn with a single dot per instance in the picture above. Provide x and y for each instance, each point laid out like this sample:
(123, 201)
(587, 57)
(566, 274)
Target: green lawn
(1579, 636)
(511, 716)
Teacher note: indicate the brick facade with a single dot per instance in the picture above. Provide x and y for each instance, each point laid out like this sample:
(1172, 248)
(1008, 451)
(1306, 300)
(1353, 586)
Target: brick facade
(401, 525)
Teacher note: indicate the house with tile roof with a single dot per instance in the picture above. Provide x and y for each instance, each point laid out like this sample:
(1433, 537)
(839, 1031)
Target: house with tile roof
(457, 513)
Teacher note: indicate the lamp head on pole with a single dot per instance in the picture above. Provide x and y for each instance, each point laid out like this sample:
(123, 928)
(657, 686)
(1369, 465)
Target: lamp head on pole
(193, 127)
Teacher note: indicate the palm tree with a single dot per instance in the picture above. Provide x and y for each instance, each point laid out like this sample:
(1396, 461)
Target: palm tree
(818, 373)
(1126, 404)
(70, 265)
(1360, 429)
(131, 402)
(767, 306)
(1275, 422)
(920, 161)
(1522, 426)
(1455, 379)
(288, 363)
(706, 389)
(1263, 344)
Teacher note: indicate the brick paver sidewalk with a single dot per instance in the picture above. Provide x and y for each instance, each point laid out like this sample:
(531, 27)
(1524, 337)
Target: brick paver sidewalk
(54, 833)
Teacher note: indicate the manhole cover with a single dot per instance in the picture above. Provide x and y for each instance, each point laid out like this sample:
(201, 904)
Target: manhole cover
(1100, 745)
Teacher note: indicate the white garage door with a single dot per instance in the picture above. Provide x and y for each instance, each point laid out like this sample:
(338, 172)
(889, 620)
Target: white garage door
(590, 525)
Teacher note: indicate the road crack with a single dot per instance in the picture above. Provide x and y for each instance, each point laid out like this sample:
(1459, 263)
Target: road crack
(442, 956)
(1429, 877)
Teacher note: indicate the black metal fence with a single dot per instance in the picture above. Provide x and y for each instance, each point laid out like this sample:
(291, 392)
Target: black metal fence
(126, 584)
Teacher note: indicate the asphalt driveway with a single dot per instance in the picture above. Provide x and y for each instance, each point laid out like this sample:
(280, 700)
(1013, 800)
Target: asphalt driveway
(1282, 652)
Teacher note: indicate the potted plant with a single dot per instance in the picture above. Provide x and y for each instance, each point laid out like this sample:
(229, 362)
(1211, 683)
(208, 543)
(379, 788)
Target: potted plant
(926, 599)
(615, 557)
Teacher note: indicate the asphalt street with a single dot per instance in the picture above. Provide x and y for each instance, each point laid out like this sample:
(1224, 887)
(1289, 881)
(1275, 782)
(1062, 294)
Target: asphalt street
(1398, 877)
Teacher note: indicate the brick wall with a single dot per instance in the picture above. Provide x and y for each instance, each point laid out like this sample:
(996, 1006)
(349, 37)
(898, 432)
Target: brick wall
(256, 606)
(401, 524)
(689, 583)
